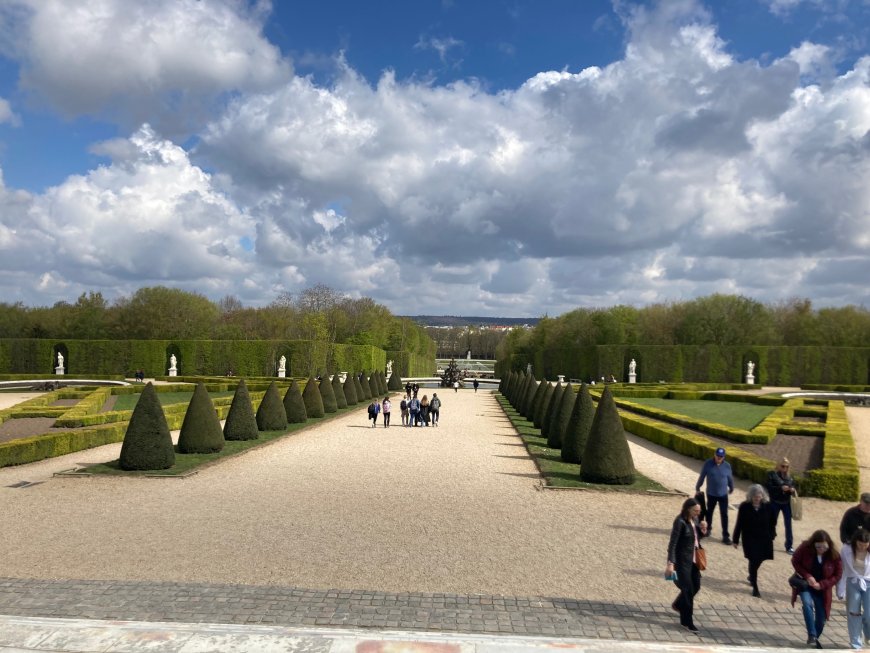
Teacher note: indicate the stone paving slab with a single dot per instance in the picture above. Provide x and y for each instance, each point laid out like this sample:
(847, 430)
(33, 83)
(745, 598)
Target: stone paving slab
(751, 625)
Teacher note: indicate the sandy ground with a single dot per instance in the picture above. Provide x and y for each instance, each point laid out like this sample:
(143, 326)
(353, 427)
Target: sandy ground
(341, 505)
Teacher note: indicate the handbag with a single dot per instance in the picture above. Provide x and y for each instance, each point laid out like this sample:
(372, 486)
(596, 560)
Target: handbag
(797, 509)
(798, 582)
(700, 559)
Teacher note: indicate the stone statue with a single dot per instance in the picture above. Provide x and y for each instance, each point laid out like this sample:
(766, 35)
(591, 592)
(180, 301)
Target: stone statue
(750, 368)
(282, 364)
(632, 366)
(389, 367)
(59, 359)
(173, 361)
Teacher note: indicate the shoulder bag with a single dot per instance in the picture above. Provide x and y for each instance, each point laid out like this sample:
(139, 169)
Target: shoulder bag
(798, 582)
(700, 558)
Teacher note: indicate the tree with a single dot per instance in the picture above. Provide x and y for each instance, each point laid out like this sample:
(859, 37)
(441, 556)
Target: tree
(563, 415)
(338, 391)
(579, 426)
(327, 396)
(607, 457)
(294, 405)
(312, 399)
(241, 423)
(270, 414)
(367, 392)
(527, 403)
(395, 382)
(358, 387)
(539, 403)
(201, 430)
(166, 313)
(147, 442)
(350, 390)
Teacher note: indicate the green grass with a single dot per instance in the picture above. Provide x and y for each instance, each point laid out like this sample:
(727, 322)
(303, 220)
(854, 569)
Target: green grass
(128, 402)
(557, 472)
(188, 462)
(740, 415)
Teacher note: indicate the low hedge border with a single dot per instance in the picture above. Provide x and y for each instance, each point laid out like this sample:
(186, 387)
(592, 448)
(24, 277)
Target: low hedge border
(839, 477)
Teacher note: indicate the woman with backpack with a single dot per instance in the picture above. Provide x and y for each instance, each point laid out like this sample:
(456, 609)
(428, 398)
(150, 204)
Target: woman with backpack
(435, 408)
(374, 409)
(386, 406)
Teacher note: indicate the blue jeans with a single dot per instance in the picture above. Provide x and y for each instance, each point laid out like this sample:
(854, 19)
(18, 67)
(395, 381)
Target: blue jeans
(785, 509)
(723, 512)
(857, 614)
(813, 604)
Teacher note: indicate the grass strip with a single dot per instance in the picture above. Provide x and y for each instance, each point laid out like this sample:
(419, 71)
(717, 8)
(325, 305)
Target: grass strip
(737, 415)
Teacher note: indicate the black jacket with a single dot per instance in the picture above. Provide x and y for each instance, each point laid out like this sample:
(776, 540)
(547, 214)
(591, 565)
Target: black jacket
(681, 547)
(775, 484)
(758, 530)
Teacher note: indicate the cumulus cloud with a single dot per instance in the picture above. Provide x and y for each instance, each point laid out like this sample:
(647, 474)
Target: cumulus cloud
(161, 61)
(6, 113)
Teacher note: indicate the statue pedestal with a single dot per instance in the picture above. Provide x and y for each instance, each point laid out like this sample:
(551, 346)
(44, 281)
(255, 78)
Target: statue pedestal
(750, 379)
(560, 378)
(632, 377)
(173, 371)
(59, 371)
(282, 374)
(342, 376)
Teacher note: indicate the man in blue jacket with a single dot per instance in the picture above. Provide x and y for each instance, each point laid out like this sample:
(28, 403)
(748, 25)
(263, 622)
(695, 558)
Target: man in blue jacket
(720, 483)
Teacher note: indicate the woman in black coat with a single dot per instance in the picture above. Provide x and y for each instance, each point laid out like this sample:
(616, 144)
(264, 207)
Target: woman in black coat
(686, 534)
(756, 524)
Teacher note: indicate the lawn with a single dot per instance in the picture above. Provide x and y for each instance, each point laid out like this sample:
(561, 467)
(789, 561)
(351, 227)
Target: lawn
(128, 402)
(740, 415)
(557, 472)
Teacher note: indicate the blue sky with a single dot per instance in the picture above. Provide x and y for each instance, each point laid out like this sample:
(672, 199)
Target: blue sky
(510, 157)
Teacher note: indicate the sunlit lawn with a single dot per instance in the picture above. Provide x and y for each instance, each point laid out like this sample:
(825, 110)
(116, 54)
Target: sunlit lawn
(739, 415)
(128, 402)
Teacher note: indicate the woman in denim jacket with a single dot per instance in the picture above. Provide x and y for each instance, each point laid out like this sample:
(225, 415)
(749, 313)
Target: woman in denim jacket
(686, 534)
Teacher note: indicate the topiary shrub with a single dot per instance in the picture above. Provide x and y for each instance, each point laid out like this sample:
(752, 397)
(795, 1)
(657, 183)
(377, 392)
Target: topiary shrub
(294, 405)
(147, 442)
(367, 391)
(579, 425)
(338, 391)
(395, 383)
(241, 423)
(549, 418)
(357, 385)
(528, 399)
(327, 396)
(270, 414)
(563, 413)
(382, 384)
(539, 405)
(201, 429)
(312, 399)
(350, 391)
(607, 458)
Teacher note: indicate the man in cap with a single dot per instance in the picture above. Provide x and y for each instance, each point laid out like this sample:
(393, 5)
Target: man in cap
(854, 517)
(720, 483)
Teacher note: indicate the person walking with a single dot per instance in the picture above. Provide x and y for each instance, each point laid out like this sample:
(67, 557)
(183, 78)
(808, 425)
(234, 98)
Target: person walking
(386, 407)
(456, 386)
(435, 409)
(374, 409)
(720, 483)
(756, 524)
(424, 410)
(853, 586)
(413, 411)
(403, 406)
(854, 517)
(685, 540)
(476, 384)
(816, 561)
(781, 487)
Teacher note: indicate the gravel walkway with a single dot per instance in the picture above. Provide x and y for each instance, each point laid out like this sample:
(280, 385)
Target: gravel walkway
(455, 509)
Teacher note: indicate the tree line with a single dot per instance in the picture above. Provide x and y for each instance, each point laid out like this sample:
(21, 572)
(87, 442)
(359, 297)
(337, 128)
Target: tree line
(161, 313)
(712, 320)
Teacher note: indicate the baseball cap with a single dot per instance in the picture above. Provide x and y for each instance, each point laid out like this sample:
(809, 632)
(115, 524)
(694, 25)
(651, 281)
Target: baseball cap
(720, 452)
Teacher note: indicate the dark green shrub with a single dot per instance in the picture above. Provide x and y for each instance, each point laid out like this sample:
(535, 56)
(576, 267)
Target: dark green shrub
(241, 423)
(350, 390)
(563, 413)
(357, 386)
(270, 414)
(527, 401)
(382, 385)
(147, 443)
(579, 425)
(201, 430)
(395, 383)
(542, 398)
(294, 406)
(367, 391)
(312, 399)
(327, 396)
(607, 458)
(549, 419)
(338, 391)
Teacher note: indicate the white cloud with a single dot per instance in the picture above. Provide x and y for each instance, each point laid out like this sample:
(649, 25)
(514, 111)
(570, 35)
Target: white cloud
(6, 113)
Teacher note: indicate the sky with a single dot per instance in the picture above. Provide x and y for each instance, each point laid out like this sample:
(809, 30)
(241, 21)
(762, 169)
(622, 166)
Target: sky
(464, 157)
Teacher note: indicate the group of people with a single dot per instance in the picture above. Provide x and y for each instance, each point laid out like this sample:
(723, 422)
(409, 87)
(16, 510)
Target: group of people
(415, 412)
(819, 568)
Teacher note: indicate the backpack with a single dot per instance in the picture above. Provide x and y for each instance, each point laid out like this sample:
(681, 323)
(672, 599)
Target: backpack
(435, 404)
(403, 405)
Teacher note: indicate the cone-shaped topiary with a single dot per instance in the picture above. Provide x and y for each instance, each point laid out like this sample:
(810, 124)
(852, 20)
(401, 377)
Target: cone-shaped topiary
(607, 458)
(563, 413)
(338, 391)
(382, 384)
(294, 406)
(375, 384)
(350, 390)
(516, 388)
(241, 423)
(313, 400)
(367, 391)
(395, 383)
(201, 429)
(270, 414)
(327, 396)
(528, 400)
(357, 385)
(547, 420)
(579, 425)
(147, 442)
(541, 403)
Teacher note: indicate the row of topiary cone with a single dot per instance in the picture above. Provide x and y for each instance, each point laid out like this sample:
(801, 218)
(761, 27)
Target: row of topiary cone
(595, 439)
(148, 443)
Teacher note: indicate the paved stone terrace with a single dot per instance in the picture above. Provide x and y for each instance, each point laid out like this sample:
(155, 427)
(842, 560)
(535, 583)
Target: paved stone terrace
(765, 626)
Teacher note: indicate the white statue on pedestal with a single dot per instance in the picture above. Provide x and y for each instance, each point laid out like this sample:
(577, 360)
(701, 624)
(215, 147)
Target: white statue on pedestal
(282, 366)
(750, 372)
(389, 368)
(173, 361)
(632, 367)
(59, 359)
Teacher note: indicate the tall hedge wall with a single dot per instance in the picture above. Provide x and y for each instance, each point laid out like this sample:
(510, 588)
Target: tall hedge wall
(781, 366)
(409, 364)
(195, 357)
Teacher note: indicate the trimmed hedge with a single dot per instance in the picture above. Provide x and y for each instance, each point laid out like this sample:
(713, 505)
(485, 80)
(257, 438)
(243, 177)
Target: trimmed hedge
(312, 399)
(241, 423)
(201, 430)
(147, 442)
(270, 414)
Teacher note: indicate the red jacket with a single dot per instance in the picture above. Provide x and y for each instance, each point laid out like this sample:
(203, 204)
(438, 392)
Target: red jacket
(832, 569)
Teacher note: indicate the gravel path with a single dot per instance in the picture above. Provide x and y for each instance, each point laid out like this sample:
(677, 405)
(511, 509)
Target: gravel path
(341, 505)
